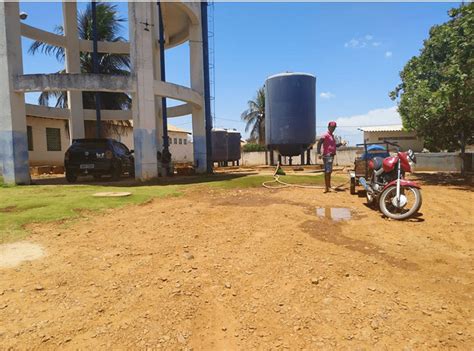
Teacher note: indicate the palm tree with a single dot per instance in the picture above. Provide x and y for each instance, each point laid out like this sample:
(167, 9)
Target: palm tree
(254, 116)
(108, 27)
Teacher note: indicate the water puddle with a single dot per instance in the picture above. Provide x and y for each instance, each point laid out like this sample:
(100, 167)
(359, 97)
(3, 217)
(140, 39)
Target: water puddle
(335, 214)
(11, 255)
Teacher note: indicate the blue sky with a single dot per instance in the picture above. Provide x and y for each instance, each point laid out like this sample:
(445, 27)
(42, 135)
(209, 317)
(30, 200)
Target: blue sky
(356, 51)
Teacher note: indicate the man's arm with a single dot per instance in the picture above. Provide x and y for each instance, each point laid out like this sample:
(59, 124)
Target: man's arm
(320, 142)
(341, 144)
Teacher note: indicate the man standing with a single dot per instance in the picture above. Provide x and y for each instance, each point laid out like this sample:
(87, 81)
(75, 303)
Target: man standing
(329, 151)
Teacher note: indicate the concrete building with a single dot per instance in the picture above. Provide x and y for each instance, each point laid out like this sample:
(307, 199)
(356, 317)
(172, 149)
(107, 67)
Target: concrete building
(406, 139)
(48, 140)
(182, 24)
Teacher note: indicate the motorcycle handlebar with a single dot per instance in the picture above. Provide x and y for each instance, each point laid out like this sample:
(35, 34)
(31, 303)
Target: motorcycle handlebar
(390, 143)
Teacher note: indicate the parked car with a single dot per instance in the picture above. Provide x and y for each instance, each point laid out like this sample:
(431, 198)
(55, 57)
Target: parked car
(98, 157)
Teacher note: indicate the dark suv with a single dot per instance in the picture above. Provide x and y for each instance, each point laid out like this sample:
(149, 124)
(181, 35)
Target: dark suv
(98, 157)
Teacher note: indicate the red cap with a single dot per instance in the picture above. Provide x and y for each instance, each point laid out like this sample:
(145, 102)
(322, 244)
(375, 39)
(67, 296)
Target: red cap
(332, 124)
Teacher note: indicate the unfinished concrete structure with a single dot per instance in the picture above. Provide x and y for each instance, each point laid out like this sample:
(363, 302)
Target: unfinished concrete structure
(182, 23)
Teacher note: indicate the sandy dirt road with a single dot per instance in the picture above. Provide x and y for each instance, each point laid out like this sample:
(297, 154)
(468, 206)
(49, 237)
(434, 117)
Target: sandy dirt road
(248, 269)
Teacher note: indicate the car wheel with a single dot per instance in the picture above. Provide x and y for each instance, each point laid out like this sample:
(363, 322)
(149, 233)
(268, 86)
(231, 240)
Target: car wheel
(116, 172)
(71, 177)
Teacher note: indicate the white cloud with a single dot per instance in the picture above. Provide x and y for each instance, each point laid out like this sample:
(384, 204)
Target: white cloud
(347, 126)
(362, 42)
(388, 54)
(353, 43)
(327, 95)
(376, 43)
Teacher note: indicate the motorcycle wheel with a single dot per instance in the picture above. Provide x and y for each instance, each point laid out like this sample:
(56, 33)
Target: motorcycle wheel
(414, 201)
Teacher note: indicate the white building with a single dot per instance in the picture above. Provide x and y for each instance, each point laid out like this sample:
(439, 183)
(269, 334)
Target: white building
(395, 133)
(48, 140)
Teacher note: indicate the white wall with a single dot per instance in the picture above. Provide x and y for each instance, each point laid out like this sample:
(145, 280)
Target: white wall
(179, 152)
(406, 140)
(40, 156)
(344, 157)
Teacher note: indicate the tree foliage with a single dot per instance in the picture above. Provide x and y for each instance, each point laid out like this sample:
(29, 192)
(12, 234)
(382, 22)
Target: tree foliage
(436, 93)
(254, 117)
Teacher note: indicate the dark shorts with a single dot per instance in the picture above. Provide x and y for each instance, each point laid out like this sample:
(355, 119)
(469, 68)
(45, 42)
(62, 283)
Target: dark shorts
(328, 161)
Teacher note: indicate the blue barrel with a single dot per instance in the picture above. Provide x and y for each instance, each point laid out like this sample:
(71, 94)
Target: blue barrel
(290, 112)
(233, 145)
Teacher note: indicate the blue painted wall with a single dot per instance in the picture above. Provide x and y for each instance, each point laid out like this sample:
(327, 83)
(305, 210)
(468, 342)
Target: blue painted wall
(14, 157)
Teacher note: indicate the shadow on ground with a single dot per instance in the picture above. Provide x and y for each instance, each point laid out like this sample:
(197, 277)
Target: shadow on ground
(447, 179)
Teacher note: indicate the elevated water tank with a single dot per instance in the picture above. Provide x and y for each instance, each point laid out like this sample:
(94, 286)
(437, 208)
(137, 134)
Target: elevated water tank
(290, 112)
(219, 145)
(233, 145)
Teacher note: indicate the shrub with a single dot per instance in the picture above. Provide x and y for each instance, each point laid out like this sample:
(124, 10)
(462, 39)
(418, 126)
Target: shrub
(250, 147)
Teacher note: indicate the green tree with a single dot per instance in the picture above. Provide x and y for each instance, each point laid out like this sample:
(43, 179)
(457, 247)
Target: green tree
(254, 117)
(436, 93)
(109, 25)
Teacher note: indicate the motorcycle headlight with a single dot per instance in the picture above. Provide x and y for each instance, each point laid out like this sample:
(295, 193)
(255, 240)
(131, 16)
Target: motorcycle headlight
(411, 156)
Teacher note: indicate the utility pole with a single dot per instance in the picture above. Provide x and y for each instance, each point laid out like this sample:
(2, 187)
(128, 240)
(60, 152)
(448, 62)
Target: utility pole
(166, 155)
(207, 89)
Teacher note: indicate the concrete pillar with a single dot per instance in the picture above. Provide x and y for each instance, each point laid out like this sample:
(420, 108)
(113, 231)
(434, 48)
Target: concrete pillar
(197, 84)
(13, 138)
(143, 103)
(73, 65)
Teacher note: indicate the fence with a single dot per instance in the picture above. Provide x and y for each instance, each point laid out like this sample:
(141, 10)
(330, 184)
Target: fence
(425, 162)
(438, 162)
(344, 157)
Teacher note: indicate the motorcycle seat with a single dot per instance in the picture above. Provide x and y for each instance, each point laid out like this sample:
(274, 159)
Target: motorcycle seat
(378, 163)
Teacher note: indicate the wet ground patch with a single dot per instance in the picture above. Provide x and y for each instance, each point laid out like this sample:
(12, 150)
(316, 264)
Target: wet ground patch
(333, 234)
(335, 214)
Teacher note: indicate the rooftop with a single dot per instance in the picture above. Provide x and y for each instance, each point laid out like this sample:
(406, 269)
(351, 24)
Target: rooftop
(389, 128)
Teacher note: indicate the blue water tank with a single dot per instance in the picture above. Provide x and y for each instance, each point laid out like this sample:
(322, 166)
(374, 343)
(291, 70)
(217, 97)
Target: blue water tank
(290, 112)
(219, 144)
(233, 145)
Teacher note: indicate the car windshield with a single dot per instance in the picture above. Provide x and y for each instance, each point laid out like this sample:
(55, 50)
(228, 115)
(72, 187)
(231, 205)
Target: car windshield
(93, 144)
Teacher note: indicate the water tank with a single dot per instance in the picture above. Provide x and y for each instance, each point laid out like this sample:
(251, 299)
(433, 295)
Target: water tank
(233, 145)
(219, 145)
(290, 112)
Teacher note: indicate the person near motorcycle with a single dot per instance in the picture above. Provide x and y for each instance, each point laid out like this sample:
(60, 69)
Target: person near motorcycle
(329, 145)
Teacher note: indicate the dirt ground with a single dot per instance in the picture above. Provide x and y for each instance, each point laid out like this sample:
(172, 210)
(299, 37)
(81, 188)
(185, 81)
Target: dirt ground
(248, 269)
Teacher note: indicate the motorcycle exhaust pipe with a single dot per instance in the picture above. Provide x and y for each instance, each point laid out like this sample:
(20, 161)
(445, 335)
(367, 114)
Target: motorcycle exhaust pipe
(366, 186)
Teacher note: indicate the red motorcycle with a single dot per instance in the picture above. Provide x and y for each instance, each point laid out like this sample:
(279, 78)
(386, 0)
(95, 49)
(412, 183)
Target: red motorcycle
(396, 197)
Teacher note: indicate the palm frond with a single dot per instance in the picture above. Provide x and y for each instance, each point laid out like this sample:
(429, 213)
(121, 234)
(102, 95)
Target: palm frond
(254, 116)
